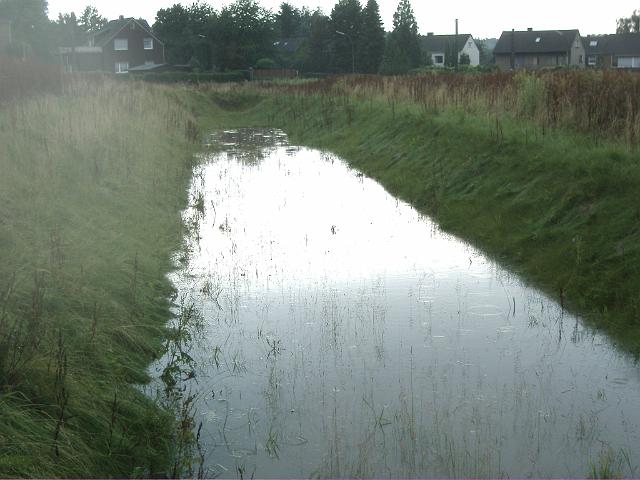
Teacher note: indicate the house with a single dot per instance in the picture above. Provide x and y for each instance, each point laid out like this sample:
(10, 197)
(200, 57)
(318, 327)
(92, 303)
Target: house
(621, 50)
(539, 49)
(5, 35)
(120, 45)
(438, 48)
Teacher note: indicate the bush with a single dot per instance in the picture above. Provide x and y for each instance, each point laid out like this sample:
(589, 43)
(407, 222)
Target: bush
(266, 64)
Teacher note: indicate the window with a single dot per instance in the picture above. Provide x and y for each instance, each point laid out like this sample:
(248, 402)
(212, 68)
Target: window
(628, 62)
(438, 59)
(593, 43)
(122, 67)
(538, 39)
(581, 60)
(121, 44)
(625, 62)
(148, 43)
(591, 60)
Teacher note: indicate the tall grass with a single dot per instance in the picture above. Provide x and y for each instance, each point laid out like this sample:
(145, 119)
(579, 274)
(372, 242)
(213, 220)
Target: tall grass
(20, 79)
(606, 103)
(91, 186)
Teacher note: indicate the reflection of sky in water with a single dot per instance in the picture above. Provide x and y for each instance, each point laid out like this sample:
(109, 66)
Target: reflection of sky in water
(355, 338)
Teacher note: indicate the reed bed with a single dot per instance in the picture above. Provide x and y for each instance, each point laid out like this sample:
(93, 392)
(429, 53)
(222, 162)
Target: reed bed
(606, 103)
(21, 79)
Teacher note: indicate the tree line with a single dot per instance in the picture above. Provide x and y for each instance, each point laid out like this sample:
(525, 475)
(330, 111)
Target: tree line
(244, 35)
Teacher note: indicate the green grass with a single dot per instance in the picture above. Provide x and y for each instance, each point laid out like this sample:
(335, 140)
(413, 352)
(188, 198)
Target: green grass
(91, 188)
(559, 208)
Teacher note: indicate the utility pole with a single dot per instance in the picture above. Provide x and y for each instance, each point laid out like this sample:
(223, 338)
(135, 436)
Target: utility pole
(353, 53)
(513, 48)
(455, 46)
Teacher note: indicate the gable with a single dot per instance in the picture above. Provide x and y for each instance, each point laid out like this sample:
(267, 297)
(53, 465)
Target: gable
(115, 27)
(442, 43)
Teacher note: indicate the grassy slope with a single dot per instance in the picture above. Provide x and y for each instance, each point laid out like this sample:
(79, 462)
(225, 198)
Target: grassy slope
(556, 208)
(91, 190)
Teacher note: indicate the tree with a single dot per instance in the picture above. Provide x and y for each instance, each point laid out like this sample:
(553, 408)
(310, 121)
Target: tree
(346, 17)
(371, 40)
(402, 51)
(450, 54)
(91, 21)
(394, 61)
(319, 44)
(243, 33)
(32, 31)
(629, 24)
(288, 21)
(67, 32)
(184, 30)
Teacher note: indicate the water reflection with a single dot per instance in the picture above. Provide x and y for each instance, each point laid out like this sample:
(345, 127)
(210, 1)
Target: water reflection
(345, 335)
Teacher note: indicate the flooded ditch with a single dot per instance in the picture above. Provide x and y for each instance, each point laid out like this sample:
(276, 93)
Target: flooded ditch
(341, 333)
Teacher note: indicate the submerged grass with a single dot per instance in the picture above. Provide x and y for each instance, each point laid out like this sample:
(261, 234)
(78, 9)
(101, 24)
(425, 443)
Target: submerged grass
(91, 187)
(558, 206)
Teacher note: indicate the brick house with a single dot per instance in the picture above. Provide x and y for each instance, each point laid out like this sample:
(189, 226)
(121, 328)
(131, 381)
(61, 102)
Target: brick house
(621, 50)
(438, 47)
(539, 49)
(120, 45)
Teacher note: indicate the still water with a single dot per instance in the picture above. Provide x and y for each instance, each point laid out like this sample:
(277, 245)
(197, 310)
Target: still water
(343, 333)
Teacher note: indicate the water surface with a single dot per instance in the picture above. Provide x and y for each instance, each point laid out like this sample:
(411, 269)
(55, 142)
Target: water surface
(344, 334)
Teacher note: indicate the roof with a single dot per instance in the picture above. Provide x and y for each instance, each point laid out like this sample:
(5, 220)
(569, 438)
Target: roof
(106, 34)
(289, 45)
(440, 43)
(616, 44)
(536, 41)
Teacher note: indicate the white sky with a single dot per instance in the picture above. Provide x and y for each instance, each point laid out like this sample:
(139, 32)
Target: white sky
(481, 19)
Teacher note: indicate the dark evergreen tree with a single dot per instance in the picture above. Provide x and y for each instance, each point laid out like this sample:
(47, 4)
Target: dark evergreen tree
(372, 39)
(288, 21)
(318, 48)
(346, 17)
(394, 60)
(402, 51)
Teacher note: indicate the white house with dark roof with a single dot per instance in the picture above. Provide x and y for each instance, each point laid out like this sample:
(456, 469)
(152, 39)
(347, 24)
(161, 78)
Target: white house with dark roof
(438, 48)
(539, 49)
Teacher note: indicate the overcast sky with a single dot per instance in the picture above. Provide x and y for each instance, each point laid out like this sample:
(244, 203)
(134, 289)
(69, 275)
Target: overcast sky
(481, 19)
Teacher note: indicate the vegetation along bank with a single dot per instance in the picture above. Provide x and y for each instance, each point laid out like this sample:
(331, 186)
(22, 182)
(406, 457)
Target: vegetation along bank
(540, 170)
(93, 178)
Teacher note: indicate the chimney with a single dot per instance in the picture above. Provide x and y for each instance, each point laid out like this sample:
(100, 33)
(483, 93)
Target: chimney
(121, 17)
(429, 34)
(529, 29)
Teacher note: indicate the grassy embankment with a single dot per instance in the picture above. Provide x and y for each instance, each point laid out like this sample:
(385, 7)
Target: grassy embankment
(541, 171)
(92, 182)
